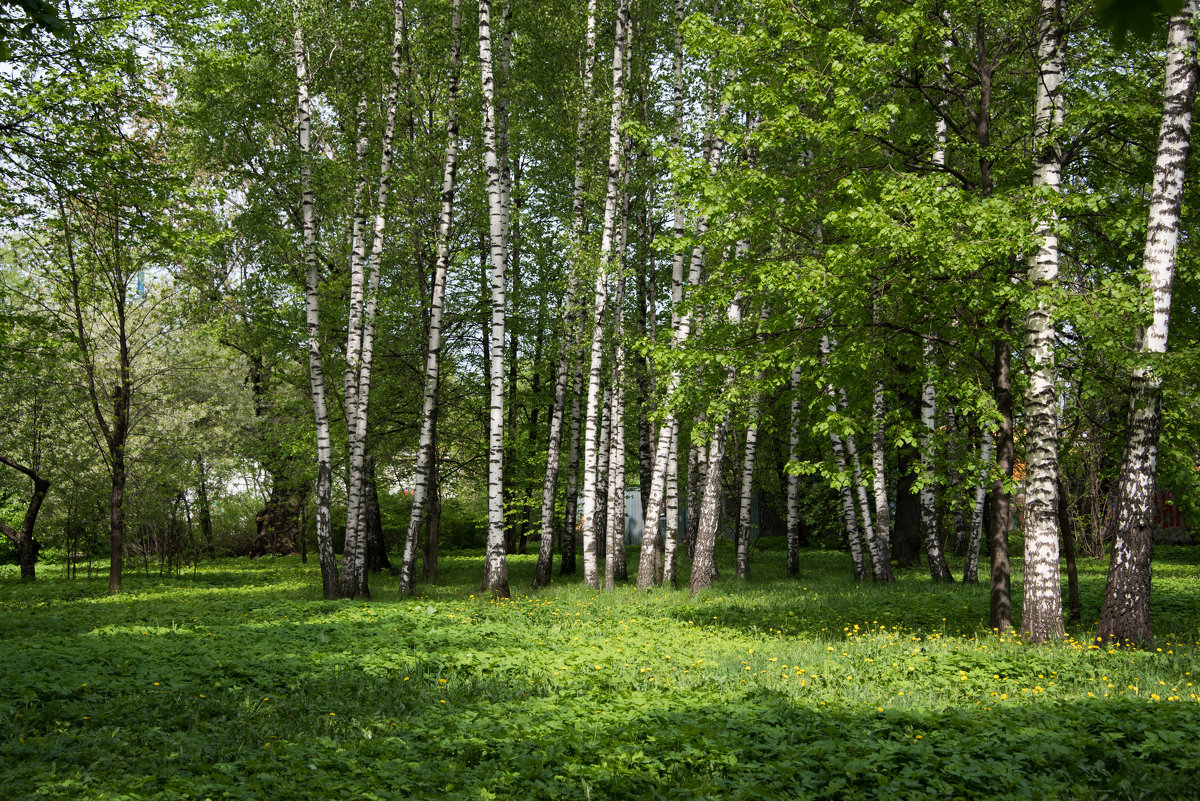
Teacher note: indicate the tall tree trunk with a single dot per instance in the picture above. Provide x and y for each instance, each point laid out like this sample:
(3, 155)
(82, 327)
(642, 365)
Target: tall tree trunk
(495, 568)
(206, 526)
(426, 456)
(1125, 613)
(670, 568)
(590, 576)
(600, 521)
(1041, 611)
(361, 339)
(541, 576)
(312, 285)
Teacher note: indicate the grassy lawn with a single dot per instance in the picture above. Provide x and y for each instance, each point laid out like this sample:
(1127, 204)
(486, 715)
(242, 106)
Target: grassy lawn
(237, 681)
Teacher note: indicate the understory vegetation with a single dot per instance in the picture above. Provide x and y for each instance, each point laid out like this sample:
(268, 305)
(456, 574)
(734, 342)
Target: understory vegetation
(234, 680)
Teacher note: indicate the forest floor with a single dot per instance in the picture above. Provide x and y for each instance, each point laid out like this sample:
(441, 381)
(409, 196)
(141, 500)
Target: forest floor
(236, 681)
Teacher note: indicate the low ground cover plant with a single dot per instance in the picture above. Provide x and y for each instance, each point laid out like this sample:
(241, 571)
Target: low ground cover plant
(237, 681)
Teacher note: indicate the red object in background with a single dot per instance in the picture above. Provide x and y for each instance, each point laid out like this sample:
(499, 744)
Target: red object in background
(1166, 513)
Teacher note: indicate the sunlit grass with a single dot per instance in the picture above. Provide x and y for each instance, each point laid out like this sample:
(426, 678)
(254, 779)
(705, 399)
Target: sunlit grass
(236, 680)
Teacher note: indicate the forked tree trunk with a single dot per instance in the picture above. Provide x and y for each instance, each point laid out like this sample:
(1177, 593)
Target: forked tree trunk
(425, 453)
(1041, 611)
(495, 577)
(1125, 613)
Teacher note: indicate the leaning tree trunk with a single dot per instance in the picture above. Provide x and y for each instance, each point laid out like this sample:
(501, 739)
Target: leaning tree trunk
(592, 416)
(1041, 611)
(425, 452)
(1125, 613)
(495, 568)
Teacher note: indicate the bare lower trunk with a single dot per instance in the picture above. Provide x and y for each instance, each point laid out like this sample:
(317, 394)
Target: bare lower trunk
(703, 563)
(1125, 613)
(881, 554)
(929, 527)
(23, 539)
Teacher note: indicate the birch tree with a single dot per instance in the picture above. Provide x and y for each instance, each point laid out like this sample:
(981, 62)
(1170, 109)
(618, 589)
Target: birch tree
(1125, 612)
(495, 577)
(592, 415)
(433, 350)
(1041, 612)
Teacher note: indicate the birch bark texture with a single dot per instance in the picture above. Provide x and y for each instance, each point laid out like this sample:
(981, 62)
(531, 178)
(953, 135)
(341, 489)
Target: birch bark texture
(1041, 611)
(495, 578)
(312, 294)
(541, 573)
(591, 418)
(1125, 612)
(360, 345)
(426, 462)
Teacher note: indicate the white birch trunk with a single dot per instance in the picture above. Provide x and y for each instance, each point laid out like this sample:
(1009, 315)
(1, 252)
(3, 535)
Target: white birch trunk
(847, 490)
(929, 527)
(883, 512)
(425, 453)
(793, 479)
(495, 567)
(671, 540)
(1041, 613)
(599, 523)
(312, 289)
(591, 419)
(1125, 613)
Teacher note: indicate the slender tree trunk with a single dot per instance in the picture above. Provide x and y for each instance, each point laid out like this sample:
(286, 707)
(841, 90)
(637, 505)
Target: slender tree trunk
(971, 561)
(671, 540)
(495, 567)
(1125, 613)
(1068, 541)
(929, 527)
(793, 478)
(316, 371)
(541, 576)
(1041, 611)
(426, 455)
(590, 576)
(883, 512)
(999, 500)
(206, 527)
(571, 505)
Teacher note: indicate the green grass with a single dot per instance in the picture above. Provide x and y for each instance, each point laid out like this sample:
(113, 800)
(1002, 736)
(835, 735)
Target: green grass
(239, 682)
